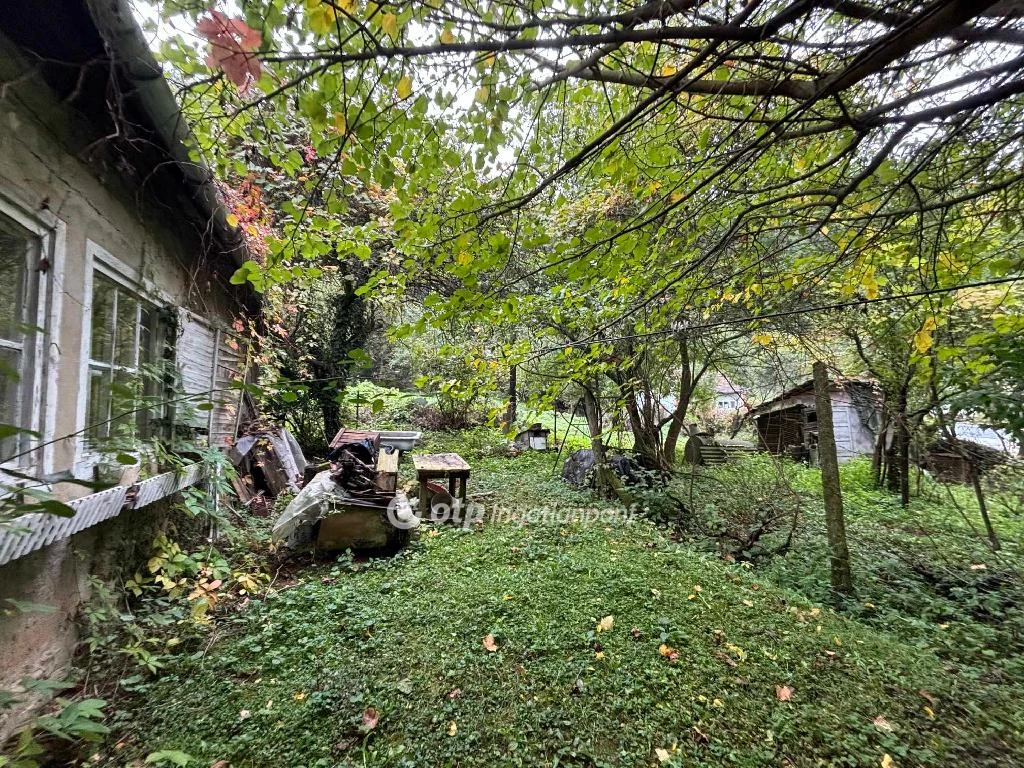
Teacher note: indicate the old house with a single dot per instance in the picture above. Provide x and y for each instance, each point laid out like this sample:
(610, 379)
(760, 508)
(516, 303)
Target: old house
(788, 424)
(115, 259)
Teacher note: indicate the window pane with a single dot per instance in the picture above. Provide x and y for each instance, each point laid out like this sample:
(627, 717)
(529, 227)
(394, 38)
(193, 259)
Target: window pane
(103, 293)
(10, 400)
(124, 405)
(127, 324)
(99, 404)
(13, 256)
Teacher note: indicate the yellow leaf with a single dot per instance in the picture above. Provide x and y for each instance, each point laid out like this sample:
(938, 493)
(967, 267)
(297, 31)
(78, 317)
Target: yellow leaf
(764, 339)
(340, 123)
(599, 655)
(482, 94)
(299, 695)
(389, 23)
(447, 38)
(923, 338)
(405, 87)
(718, 703)
(490, 644)
(348, 6)
(887, 761)
(453, 728)
(232, 220)
(464, 258)
(930, 712)
(606, 624)
(668, 70)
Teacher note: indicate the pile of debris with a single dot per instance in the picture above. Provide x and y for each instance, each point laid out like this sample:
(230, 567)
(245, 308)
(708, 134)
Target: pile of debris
(268, 462)
(353, 502)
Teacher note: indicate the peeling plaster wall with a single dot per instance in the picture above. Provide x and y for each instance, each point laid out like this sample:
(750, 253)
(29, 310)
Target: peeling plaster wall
(42, 175)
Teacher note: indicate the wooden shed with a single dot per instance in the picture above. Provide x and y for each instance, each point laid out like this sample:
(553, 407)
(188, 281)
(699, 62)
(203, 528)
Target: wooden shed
(788, 424)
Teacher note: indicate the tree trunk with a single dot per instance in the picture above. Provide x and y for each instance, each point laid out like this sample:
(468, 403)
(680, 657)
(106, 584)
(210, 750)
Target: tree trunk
(606, 483)
(979, 494)
(842, 580)
(510, 411)
(675, 426)
(904, 449)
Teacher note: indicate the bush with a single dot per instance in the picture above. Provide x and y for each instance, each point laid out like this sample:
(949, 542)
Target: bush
(748, 506)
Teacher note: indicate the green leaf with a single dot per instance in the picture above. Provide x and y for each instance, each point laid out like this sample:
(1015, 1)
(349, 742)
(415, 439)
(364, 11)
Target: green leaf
(57, 508)
(173, 756)
(127, 459)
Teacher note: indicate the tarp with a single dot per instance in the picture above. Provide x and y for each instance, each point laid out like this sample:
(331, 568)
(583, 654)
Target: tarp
(309, 505)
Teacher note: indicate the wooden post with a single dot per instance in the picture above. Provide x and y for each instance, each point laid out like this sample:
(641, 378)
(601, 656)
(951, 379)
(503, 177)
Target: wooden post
(842, 580)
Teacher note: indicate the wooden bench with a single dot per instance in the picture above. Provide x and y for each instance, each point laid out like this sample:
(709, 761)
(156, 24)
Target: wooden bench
(437, 466)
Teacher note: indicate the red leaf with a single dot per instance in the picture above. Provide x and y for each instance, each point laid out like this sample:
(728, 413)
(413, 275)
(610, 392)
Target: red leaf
(783, 692)
(370, 718)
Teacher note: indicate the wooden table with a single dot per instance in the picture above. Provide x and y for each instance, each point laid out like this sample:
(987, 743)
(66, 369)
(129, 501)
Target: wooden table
(433, 466)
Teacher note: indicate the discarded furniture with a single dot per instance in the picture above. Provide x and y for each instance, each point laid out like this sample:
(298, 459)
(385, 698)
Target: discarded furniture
(355, 503)
(704, 449)
(434, 466)
(534, 438)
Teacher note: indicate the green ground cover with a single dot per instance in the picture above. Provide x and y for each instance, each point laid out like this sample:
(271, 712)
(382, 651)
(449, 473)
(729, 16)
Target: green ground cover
(390, 661)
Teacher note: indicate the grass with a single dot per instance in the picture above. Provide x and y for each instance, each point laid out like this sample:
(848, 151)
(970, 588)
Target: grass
(690, 672)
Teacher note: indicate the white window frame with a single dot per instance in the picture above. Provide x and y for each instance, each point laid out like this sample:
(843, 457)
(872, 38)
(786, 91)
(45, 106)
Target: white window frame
(100, 260)
(44, 346)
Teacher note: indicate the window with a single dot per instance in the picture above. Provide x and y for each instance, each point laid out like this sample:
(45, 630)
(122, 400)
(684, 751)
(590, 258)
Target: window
(121, 370)
(19, 259)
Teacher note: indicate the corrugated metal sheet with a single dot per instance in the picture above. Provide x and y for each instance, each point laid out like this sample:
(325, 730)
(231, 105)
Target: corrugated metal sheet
(36, 531)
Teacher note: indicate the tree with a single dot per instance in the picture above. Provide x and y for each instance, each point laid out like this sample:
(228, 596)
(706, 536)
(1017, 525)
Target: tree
(835, 525)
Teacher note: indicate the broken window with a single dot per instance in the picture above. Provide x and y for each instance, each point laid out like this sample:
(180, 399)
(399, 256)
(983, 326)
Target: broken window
(19, 253)
(123, 377)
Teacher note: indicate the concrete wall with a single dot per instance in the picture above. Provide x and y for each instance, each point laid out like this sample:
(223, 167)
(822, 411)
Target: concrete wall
(80, 202)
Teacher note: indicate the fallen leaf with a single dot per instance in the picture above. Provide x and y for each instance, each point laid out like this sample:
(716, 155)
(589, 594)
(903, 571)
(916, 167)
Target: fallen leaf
(455, 693)
(927, 696)
(490, 644)
(663, 755)
(220, 764)
(699, 736)
(930, 712)
(577, 687)
(882, 724)
(370, 718)
(404, 686)
(783, 692)
(887, 761)
(668, 652)
(978, 566)
(299, 695)
(606, 624)
(635, 632)
(599, 655)
(718, 703)
(453, 728)
(244, 714)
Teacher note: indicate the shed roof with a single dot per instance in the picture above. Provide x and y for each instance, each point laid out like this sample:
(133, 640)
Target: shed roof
(790, 398)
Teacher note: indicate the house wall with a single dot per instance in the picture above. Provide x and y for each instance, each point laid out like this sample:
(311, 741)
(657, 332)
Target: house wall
(83, 209)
